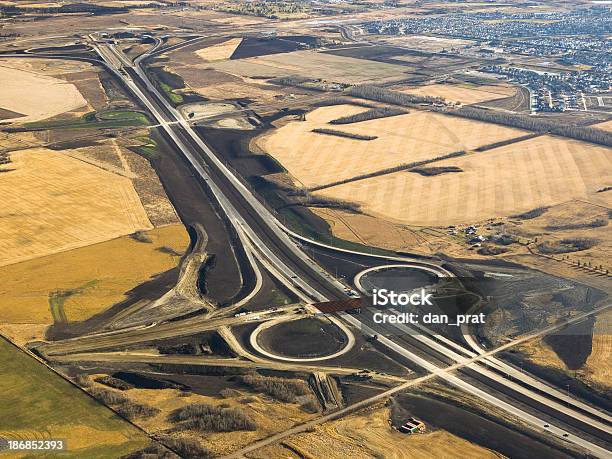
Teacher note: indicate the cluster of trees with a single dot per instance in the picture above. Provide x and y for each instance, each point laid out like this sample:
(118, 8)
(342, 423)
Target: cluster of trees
(567, 245)
(598, 222)
(203, 417)
(123, 405)
(115, 383)
(348, 135)
(269, 10)
(429, 171)
(330, 203)
(491, 250)
(281, 389)
(530, 123)
(187, 448)
(373, 114)
(290, 81)
(533, 213)
(388, 96)
(5, 159)
(502, 143)
(389, 170)
(141, 236)
(341, 101)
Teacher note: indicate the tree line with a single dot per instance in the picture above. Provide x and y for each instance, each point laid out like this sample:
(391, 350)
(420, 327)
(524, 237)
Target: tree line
(373, 114)
(389, 170)
(389, 96)
(530, 123)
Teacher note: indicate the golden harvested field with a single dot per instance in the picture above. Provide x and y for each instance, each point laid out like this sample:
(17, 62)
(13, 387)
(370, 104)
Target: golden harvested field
(316, 159)
(606, 125)
(48, 66)
(466, 94)
(540, 353)
(369, 230)
(597, 367)
(370, 436)
(596, 370)
(220, 51)
(53, 202)
(312, 64)
(35, 95)
(92, 278)
(515, 178)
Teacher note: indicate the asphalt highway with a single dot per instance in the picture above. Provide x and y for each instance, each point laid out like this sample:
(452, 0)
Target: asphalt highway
(273, 244)
(273, 247)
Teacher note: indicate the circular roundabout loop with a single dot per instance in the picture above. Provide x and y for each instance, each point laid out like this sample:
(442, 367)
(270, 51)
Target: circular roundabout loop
(437, 271)
(348, 344)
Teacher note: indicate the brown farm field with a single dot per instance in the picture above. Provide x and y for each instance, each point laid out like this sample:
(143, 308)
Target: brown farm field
(515, 178)
(219, 51)
(312, 64)
(313, 159)
(83, 282)
(36, 95)
(53, 202)
(463, 93)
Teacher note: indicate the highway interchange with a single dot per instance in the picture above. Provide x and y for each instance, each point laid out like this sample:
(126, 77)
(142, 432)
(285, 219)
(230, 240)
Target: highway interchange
(271, 246)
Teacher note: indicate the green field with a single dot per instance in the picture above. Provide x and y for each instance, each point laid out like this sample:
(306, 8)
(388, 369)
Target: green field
(174, 97)
(36, 403)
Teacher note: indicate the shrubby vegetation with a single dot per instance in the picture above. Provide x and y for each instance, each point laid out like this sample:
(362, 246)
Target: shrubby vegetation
(202, 417)
(82, 380)
(428, 171)
(598, 222)
(567, 245)
(123, 405)
(141, 236)
(115, 383)
(298, 82)
(391, 97)
(330, 203)
(348, 135)
(187, 448)
(504, 239)
(533, 213)
(281, 389)
(341, 101)
(310, 405)
(373, 114)
(132, 410)
(108, 397)
(491, 250)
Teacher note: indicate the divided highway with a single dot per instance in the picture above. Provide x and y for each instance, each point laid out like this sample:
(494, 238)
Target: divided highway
(309, 281)
(265, 239)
